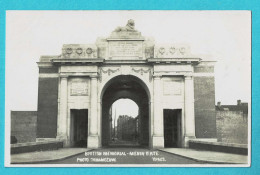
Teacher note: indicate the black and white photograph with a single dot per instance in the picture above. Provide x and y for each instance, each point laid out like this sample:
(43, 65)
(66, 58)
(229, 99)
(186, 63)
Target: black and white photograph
(128, 88)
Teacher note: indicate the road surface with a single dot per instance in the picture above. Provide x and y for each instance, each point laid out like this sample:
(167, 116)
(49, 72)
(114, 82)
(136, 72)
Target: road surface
(125, 156)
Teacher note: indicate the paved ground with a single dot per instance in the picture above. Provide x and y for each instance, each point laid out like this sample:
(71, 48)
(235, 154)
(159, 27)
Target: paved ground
(121, 143)
(208, 156)
(126, 156)
(45, 156)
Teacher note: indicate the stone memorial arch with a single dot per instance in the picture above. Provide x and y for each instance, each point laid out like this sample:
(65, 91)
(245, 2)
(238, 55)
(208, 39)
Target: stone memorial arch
(174, 90)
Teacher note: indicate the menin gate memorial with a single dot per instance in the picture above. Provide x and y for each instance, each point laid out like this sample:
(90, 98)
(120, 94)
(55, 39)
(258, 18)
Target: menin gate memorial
(174, 90)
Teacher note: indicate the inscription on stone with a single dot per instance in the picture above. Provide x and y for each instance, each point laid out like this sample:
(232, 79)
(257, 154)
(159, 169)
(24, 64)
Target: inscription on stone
(79, 88)
(130, 49)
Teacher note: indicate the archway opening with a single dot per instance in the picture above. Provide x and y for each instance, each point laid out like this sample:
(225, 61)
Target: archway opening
(124, 123)
(125, 113)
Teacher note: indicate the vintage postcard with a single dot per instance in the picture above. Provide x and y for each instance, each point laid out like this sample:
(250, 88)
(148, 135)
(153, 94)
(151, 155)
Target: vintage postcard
(128, 88)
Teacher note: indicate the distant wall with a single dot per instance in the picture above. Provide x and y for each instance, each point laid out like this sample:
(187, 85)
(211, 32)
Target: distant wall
(232, 127)
(23, 125)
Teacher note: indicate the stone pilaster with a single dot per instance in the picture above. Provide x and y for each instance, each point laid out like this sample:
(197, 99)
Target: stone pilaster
(99, 123)
(93, 141)
(63, 115)
(189, 110)
(158, 138)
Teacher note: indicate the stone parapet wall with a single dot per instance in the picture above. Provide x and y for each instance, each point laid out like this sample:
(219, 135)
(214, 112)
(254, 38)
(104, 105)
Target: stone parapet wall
(219, 147)
(35, 146)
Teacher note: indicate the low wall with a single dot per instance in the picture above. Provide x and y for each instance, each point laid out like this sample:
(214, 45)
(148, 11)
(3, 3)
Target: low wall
(232, 127)
(35, 146)
(23, 126)
(219, 147)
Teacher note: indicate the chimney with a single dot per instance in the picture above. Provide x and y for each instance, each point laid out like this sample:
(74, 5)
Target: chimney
(219, 104)
(238, 102)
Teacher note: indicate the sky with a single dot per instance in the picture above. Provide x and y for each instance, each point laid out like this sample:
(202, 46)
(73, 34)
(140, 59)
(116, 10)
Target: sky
(224, 36)
(119, 108)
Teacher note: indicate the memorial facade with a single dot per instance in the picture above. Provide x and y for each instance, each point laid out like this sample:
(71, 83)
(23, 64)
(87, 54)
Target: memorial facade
(174, 90)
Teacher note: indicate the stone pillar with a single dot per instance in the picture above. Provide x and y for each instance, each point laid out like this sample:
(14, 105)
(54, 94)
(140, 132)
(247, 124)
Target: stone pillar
(93, 130)
(158, 138)
(99, 123)
(189, 110)
(63, 114)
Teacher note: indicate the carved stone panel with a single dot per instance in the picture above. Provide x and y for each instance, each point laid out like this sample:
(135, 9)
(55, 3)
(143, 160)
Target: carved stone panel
(171, 51)
(79, 87)
(79, 51)
(172, 87)
(129, 49)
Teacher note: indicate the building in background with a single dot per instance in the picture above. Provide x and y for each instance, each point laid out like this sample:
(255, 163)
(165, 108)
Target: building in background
(127, 128)
(232, 123)
(242, 107)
